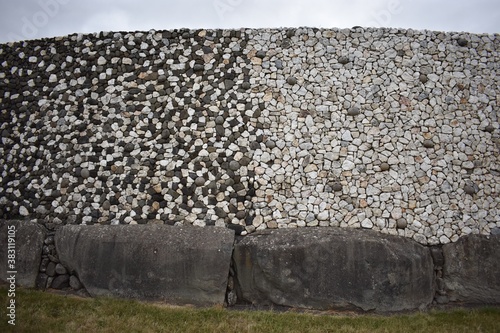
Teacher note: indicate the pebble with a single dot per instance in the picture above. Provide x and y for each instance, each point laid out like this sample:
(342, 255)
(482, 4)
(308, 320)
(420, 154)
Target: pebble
(401, 223)
(353, 111)
(75, 283)
(60, 269)
(337, 187)
(291, 80)
(199, 181)
(343, 60)
(254, 129)
(234, 165)
(470, 189)
(219, 120)
(462, 42)
(85, 173)
(384, 166)
(428, 144)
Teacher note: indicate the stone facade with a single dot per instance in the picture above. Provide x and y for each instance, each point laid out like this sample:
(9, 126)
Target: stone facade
(391, 130)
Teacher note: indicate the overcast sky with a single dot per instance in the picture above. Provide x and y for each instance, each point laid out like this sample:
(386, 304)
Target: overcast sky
(30, 19)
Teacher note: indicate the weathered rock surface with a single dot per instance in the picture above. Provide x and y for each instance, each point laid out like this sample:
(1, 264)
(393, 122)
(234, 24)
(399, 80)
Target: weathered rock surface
(472, 269)
(29, 237)
(184, 265)
(331, 268)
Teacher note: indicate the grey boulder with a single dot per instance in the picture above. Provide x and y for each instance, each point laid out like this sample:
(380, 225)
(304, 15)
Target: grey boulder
(182, 265)
(471, 270)
(28, 243)
(332, 268)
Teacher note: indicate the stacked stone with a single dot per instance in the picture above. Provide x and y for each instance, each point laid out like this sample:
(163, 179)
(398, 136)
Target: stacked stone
(385, 129)
(52, 273)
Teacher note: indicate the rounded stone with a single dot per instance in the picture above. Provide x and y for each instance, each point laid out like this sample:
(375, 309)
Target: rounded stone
(219, 129)
(261, 54)
(165, 134)
(51, 269)
(423, 78)
(220, 212)
(385, 166)
(60, 269)
(245, 161)
(489, 128)
(199, 181)
(470, 189)
(462, 42)
(234, 165)
(241, 214)
(75, 283)
(219, 120)
(337, 187)
(129, 147)
(343, 60)
(85, 173)
(65, 183)
(5, 133)
(428, 144)
(198, 67)
(254, 145)
(291, 80)
(270, 144)
(245, 85)
(401, 223)
(106, 205)
(60, 282)
(354, 111)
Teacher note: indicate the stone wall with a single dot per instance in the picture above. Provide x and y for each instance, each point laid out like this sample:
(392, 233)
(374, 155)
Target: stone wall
(384, 129)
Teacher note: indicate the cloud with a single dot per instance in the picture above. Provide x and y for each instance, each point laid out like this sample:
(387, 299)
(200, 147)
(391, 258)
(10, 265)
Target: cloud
(106, 21)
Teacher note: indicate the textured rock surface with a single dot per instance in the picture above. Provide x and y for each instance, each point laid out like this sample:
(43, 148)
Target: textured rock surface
(471, 271)
(255, 129)
(332, 268)
(184, 265)
(29, 237)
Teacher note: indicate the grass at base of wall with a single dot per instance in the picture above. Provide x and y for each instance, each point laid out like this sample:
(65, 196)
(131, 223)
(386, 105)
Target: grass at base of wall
(38, 311)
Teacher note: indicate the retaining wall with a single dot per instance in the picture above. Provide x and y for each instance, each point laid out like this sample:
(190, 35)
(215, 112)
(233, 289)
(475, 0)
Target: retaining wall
(310, 268)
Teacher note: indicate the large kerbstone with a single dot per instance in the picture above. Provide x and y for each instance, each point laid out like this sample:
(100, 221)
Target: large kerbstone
(183, 265)
(29, 237)
(471, 270)
(331, 268)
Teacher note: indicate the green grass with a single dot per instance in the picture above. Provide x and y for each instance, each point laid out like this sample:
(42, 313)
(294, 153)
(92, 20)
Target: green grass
(39, 311)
